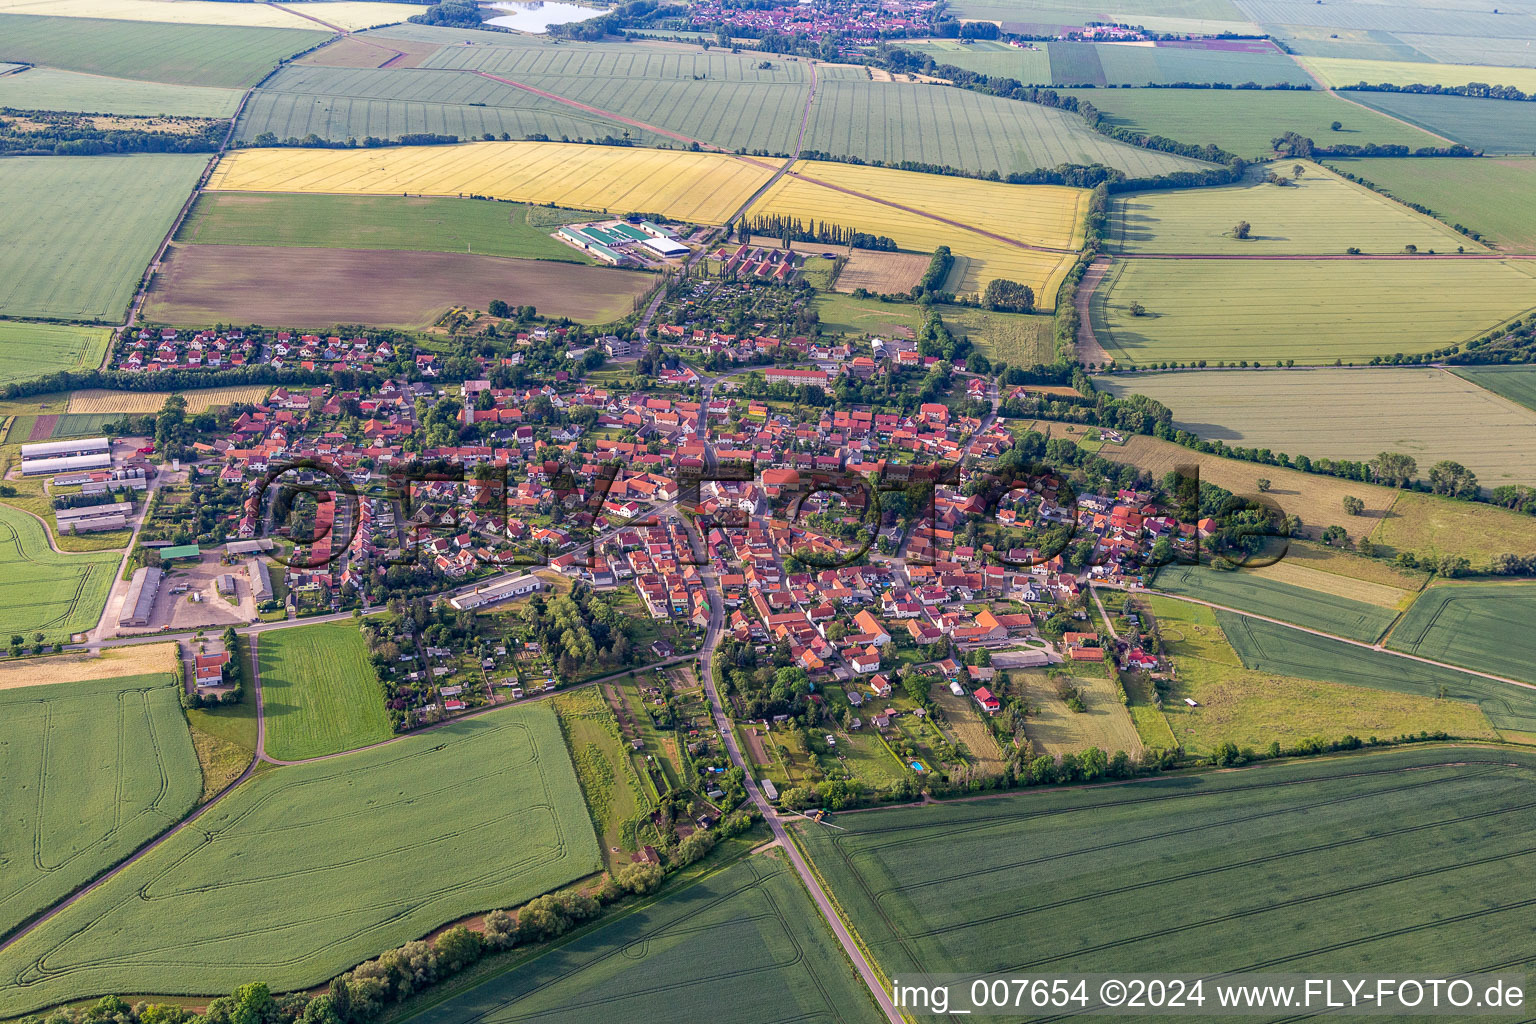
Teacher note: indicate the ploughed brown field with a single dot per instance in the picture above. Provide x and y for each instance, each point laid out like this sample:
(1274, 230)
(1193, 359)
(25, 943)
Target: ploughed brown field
(294, 287)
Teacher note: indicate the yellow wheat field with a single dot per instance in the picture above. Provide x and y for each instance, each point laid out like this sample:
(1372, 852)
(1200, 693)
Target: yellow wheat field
(347, 14)
(113, 663)
(139, 402)
(701, 188)
(972, 212)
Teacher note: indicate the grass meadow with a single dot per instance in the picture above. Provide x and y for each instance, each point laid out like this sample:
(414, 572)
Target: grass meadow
(1419, 411)
(202, 55)
(319, 691)
(28, 351)
(1275, 599)
(1485, 626)
(615, 796)
(307, 870)
(1246, 123)
(379, 222)
(93, 769)
(1492, 126)
(1472, 193)
(1229, 870)
(51, 89)
(45, 591)
(1056, 729)
(80, 230)
(1253, 706)
(1516, 383)
(1428, 525)
(1320, 214)
(1289, 652)
(1231, 310)
(1017, 339)
(720, 949)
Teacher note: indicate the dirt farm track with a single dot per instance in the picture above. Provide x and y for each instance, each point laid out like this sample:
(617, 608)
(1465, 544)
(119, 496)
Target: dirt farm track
(301, 287)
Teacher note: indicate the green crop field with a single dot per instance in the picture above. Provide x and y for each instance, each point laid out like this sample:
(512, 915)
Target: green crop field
(305, 871)
(1202, 872)
(1516, 383)
(320, 694)
(1254, 707)
(1321, 214)
(80, 230)
(1112, 64)
(1312, 311)
(1427, 413)
(895, 122)
(28, 351)
(989, 57)
(1472, 193)
(64, 823)
(41, 590)
(50, 89)
(1246, 122)
(204, 55)
(1482, 626)
(379, 222)
(1492, 126)
(1157, 15)
(1432, 526)
(1262, 596)
(723, 949)
(1290, 652)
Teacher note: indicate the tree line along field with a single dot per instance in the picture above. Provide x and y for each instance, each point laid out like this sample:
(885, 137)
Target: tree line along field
(1424, 412)
(1472, 193)
(81, 229)
(43, 590)
(306, 870)
(35, 350)
(1516, 383)
(1229, 871)
(1341, 73)
(1481, 626)
(1321, 214)
(1267, 647)
(1490, 126)
(721, 949)
(1062, 63)
(1230, 310)
(320, 694)
(1276, 599)
(94, 768)
(1245, 122)
(51, 89)
(1254, 706)
(380, 222)
(178, 54)
(702, 188)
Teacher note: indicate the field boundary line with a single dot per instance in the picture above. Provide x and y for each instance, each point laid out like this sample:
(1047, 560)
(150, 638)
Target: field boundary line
(610, 115)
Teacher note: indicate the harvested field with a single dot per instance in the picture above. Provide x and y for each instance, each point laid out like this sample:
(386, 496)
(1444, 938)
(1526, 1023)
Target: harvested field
(320, 692)
(1320, 214)
(1230, 310)
(64, 824)
(1424, 412)
(881, 272)
(262, 887)
(96, 401)
(1434, 527)
(42, 590)
(1485, 626)
(1270, 596)
(321, 287)
(35, 350)
(1493, 126)
(1231, 869)
(50, 89)
(110, 663)
(704, 188)
(1057, 729)
(1472, 193)
(368, 52)
(1256, 705)
(1318, 500)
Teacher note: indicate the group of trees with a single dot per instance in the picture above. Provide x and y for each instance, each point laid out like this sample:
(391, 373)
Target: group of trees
(54, 133)
(793, 229)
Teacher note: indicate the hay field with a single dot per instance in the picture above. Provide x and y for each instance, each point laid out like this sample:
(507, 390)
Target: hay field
(50, 89)
(960, 213)
(1321, 214)
(96, 401)
(1420, 411)
(305, 871)
(1254, 705)
(347, 14)
(704, 188)
(1485, 626)
(1343, 72)
(80, 230)
(110, 663)
(35, 350)
(1318, 500)
(320, 692)
(1230, 869)
(1472, 193)
(1275, 599)
(1312, 311)
(41, 590)
(1427, 525)
(93, 769)
(319, 288)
